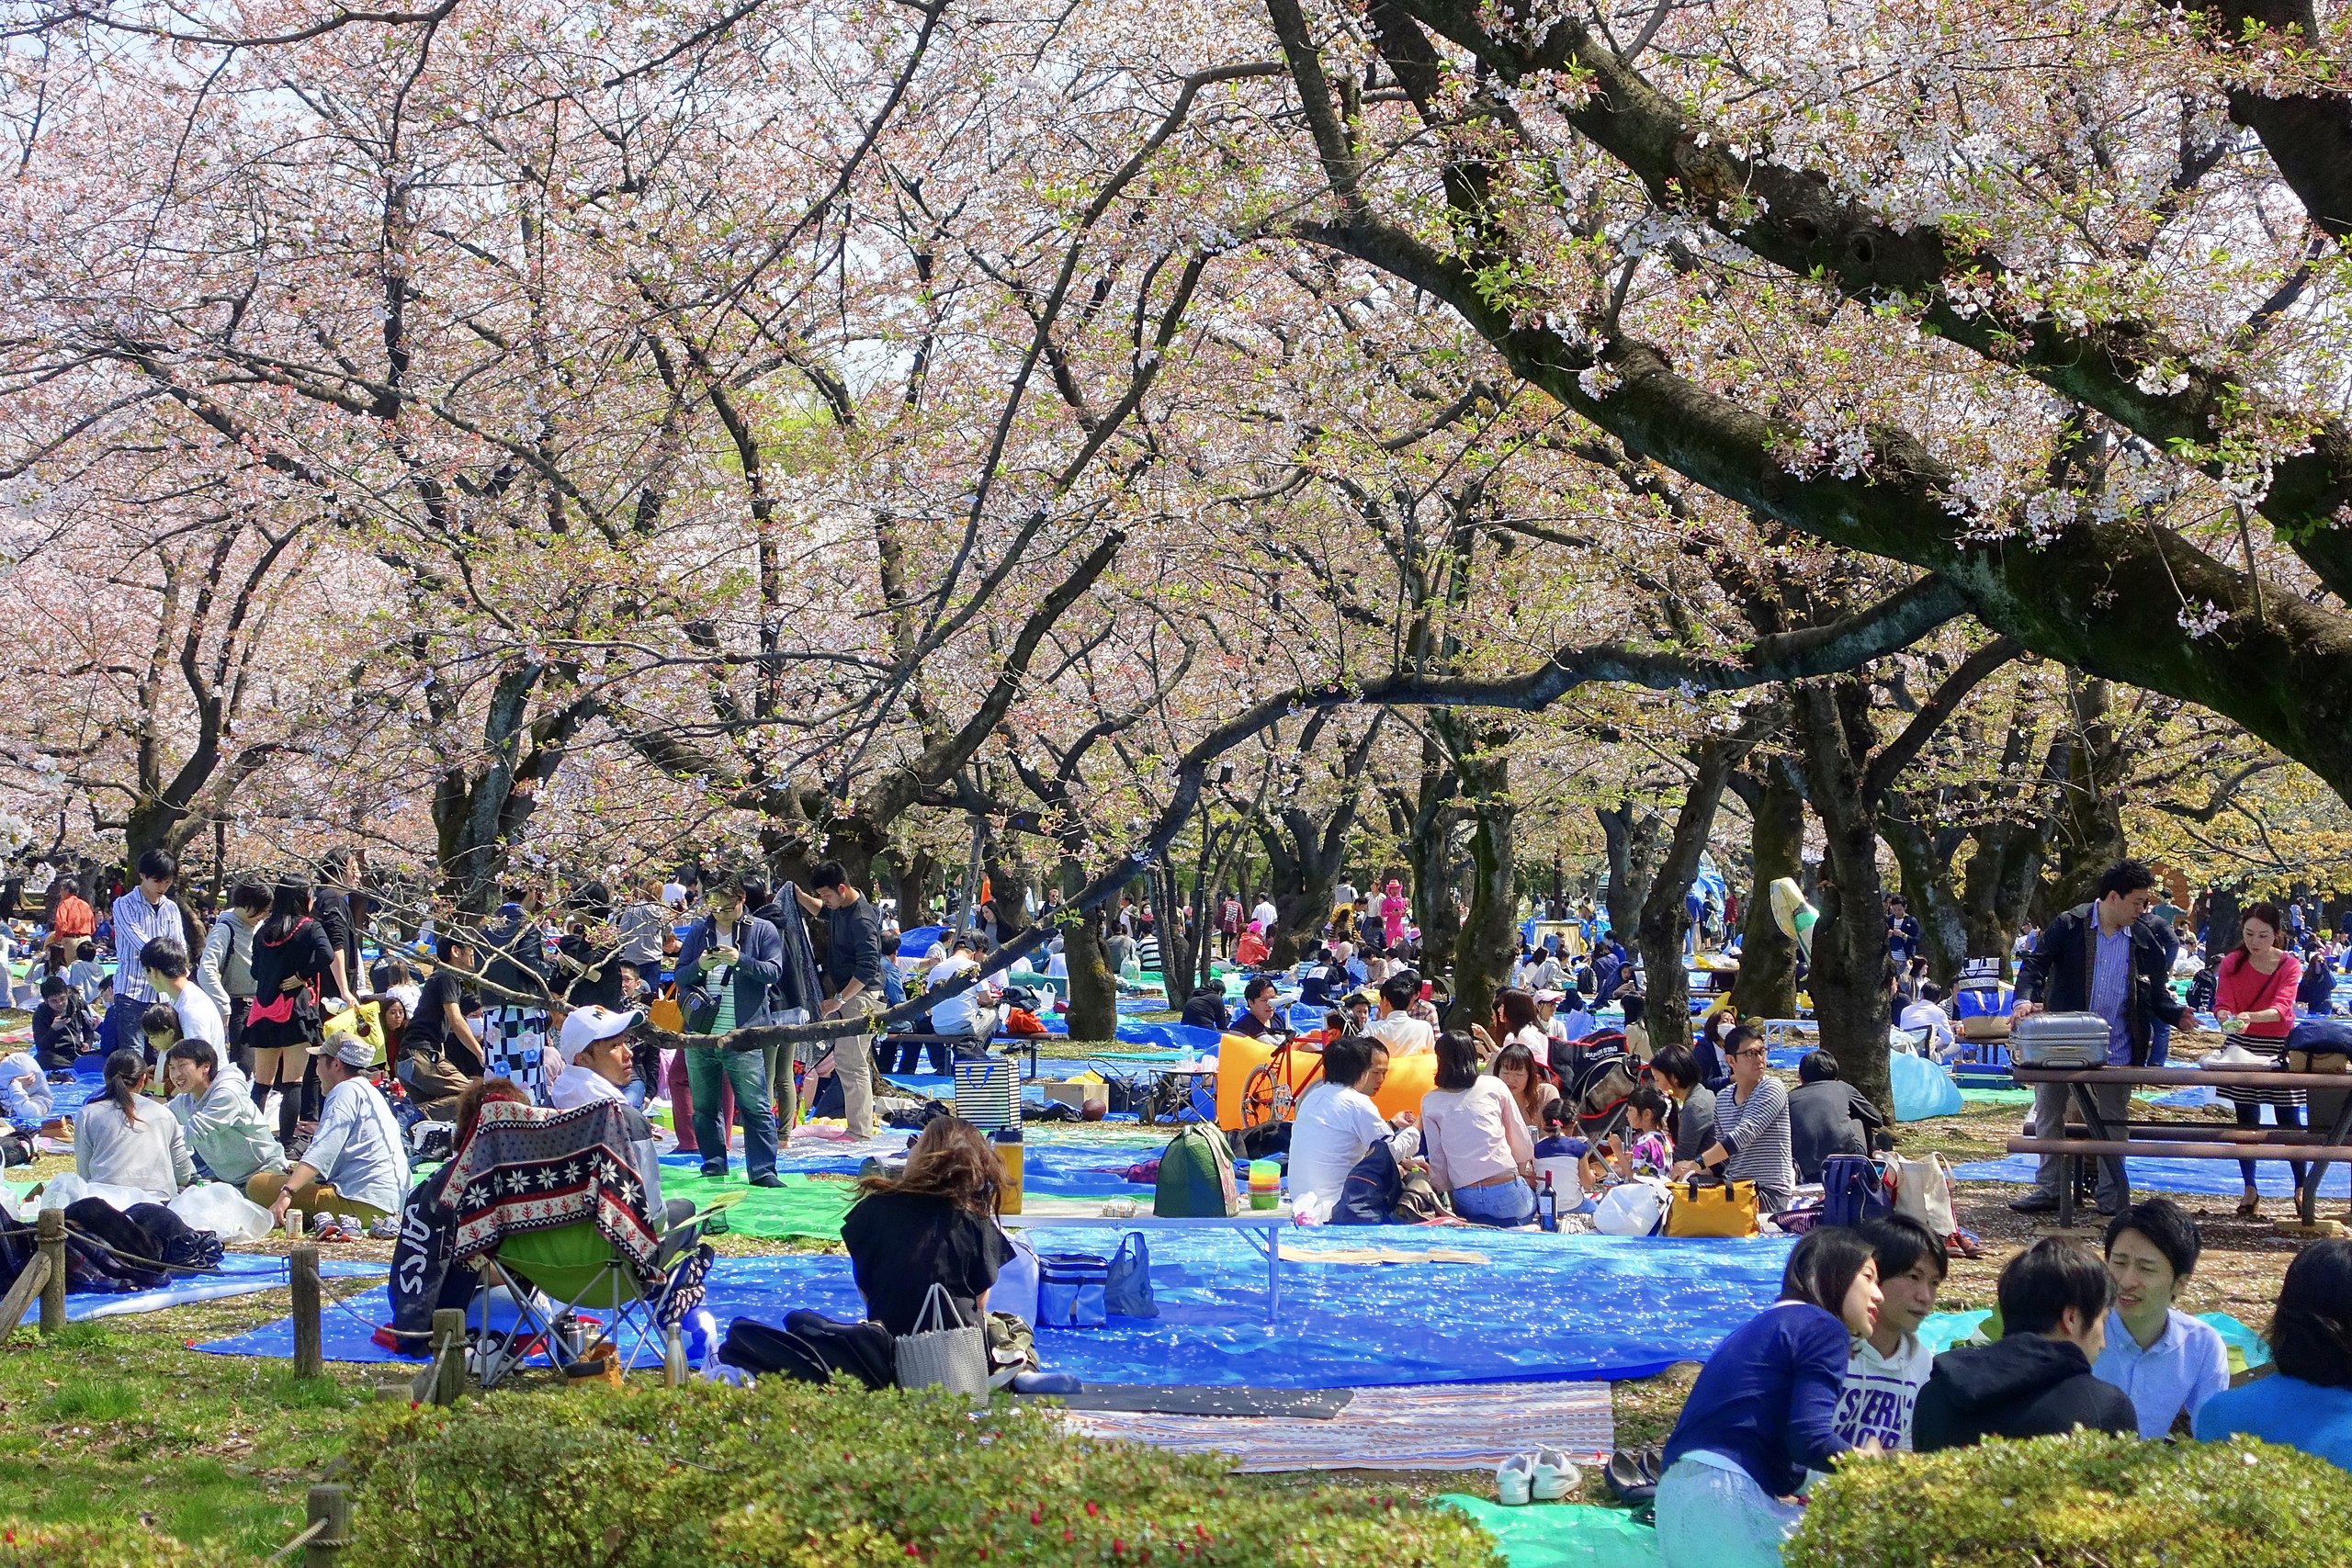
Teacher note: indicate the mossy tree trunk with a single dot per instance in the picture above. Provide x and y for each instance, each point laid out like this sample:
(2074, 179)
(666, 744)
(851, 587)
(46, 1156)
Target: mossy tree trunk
(1768, 956)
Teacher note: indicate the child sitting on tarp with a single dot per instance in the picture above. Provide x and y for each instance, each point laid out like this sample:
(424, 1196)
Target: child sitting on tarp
(24, 1093)
(62, 1027)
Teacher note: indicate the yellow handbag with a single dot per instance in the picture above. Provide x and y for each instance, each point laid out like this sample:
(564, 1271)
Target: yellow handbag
(1712, 1208)
(366, 1021)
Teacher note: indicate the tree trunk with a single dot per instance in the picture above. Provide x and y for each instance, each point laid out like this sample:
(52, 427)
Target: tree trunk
(1666, 912)
(2003, 874)
(916, 870)
(1169, 905)
(1633, 841)
(1847, 979)
(1490, 937)
(2089, 835)
(1425, 837)
(1093, 993)
(1768, 956)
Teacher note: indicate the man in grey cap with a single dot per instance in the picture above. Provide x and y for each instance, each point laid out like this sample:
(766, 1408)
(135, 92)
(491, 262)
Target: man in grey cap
(355, 1163)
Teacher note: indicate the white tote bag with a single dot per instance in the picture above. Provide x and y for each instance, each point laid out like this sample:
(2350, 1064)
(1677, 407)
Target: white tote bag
(942, 1353)
(1923, 1190)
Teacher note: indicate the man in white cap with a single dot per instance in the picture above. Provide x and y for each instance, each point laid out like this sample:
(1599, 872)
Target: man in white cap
(356, 1163)
(596, 1056)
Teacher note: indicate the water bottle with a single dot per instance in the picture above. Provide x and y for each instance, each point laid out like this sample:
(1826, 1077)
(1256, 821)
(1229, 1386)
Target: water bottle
(1007, 1153)
(1547, 1205)
(674, 1361)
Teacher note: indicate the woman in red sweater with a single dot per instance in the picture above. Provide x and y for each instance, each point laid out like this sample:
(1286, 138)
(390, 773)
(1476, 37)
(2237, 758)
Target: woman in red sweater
(2256, 1001)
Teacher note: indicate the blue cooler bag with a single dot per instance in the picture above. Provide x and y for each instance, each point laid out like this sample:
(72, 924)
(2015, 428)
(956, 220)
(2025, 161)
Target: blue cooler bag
(1072, 1289)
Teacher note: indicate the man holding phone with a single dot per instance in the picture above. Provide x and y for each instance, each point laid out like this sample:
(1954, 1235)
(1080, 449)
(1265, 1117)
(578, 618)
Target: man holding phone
(725, 969)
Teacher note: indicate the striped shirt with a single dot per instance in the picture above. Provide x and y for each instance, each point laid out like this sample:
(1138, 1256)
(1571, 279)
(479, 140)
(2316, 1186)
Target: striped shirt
(136, 923)
(1757, 1132)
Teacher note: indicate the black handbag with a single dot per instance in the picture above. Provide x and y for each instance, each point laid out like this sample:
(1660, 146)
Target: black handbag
(811, 1347)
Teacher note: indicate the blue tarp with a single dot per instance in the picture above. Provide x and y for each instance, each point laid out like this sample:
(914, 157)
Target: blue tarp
(239, 1274)
(918, 941)
(1920, 1088)
(1048, 1167)
(1542, 1308)
(2208, 1177)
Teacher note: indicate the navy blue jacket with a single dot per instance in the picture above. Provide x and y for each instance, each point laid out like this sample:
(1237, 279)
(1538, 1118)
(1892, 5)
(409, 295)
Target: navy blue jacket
(760, 967)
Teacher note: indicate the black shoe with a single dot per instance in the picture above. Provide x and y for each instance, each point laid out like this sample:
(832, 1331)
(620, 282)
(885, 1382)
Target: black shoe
(2039, 1203)
(2106, 1212)
(714, 1173)
(769, 1179)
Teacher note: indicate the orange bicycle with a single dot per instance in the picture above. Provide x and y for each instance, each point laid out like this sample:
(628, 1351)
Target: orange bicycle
(1274, 1088)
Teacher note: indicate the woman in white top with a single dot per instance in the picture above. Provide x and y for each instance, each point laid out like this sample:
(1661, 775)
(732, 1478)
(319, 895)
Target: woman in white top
(127, 1141)
(1337, 1124)
(1474, 1139)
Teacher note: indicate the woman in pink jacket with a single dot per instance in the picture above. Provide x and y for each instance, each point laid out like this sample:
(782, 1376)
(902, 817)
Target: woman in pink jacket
(1393, 909)
(2254, 1000)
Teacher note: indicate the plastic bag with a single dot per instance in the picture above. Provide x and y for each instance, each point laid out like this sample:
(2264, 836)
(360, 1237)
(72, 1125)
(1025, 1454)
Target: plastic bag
(220, 1208)
(70, 1187)
(1633, 1208)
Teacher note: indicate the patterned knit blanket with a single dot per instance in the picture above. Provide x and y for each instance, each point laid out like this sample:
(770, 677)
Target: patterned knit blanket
(529, 1169)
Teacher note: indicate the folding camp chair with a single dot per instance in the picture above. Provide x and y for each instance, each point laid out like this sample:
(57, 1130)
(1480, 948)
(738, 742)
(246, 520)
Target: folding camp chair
(555, 1275)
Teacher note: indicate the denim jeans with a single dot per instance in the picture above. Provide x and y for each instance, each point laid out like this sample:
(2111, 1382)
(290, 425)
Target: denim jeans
(1505, 1203)
(706, 1069)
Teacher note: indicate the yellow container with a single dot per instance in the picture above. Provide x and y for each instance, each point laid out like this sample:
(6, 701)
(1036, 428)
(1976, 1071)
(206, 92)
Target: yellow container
(1007, 1153)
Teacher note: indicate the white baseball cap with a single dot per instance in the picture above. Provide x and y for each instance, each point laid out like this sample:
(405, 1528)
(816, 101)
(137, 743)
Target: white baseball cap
(582, 1027)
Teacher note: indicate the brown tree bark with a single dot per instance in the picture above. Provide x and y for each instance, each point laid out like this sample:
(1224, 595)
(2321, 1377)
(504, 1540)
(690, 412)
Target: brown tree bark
(1767, 986)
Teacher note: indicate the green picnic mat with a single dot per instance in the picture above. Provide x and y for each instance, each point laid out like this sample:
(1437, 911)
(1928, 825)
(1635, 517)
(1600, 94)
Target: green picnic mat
(803, 1206)
(1995, 1096)
(1562, 1535)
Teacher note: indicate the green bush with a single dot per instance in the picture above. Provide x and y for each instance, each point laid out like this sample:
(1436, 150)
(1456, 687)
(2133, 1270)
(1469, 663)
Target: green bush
(2087, 1498)
(109, 1545)
(786, 1475)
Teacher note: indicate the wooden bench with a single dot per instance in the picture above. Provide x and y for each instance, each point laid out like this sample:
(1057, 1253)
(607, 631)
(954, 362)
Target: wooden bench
(2099, 1137)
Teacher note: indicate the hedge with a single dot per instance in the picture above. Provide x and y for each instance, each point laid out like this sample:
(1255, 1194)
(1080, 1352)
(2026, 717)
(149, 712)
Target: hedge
(2086, 1498)
(786, 1475)
(109, 1545)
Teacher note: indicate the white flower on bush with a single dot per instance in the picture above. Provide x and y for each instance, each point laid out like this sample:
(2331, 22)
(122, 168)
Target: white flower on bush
(1598, 382)
(2204, 619)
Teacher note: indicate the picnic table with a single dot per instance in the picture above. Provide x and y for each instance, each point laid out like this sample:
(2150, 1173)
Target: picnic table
(2104, 1137)
(1262, 1227)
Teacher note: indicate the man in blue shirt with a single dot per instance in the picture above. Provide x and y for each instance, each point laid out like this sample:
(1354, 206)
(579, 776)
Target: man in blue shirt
(2104, 957)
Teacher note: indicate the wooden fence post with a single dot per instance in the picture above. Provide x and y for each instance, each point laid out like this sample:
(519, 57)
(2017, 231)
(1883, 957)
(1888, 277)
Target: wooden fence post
(310, 1354)
(449, 1355)
(19, 1300)
(328, 1507)
(49, 1231)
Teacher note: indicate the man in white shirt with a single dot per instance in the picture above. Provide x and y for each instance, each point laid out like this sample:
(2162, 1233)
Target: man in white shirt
(1927, 1013)
(165, 964)
(1397, 1028)
(1264, 914)
(141, 916)
(355, 1163)
(596, 1056)
(1337, 1124)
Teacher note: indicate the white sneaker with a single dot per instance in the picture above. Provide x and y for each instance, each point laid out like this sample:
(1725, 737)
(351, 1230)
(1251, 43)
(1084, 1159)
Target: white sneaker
(1514, 1479)
(1553, 1477)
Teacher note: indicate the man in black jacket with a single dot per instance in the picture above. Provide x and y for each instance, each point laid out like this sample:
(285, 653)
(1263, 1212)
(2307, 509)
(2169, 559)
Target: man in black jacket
(2106, 957)
(2035, 1380)
(1828, 1116)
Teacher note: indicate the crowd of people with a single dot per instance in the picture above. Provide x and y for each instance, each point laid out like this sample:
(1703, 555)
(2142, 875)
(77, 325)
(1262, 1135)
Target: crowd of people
(2080, 1339)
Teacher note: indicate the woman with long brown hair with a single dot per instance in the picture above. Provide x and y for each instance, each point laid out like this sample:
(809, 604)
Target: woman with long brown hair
(2254, 995)
(935, 1223)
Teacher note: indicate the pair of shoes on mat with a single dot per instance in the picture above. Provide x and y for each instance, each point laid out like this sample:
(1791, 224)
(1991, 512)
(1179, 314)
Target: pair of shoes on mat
(1631, 1474)
(1544, 1476)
